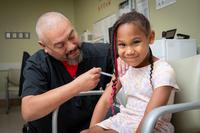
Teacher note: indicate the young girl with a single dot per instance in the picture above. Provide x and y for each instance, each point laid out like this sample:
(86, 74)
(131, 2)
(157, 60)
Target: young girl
(148, 83)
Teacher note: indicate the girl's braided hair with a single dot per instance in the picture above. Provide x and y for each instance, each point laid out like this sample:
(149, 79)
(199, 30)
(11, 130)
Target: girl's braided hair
(143, 24)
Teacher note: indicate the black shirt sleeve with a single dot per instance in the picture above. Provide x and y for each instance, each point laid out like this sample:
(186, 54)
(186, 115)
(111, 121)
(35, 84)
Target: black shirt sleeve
(35, 77)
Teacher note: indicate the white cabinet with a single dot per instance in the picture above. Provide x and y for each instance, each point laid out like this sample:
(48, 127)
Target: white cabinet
(172, 49)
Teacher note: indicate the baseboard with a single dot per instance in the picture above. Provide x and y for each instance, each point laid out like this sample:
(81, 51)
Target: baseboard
(13, 102)
(12, 95)
(2, 95)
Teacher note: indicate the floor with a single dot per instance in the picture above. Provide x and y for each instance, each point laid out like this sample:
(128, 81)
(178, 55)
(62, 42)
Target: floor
(12, 122)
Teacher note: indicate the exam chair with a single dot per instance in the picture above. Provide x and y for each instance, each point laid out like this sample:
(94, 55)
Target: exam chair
(55, 113)
(186, 110)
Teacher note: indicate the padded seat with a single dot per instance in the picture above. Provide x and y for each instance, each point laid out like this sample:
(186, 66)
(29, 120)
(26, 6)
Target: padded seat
(186, 117)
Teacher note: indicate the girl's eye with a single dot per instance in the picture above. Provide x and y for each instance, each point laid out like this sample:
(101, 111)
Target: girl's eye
(121, 45)
(136, 41)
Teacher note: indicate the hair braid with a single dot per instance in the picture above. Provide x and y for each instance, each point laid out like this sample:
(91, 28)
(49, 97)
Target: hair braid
(151, 66)
(114, 81)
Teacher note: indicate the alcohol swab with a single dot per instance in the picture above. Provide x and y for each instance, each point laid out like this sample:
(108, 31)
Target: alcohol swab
(106, 74)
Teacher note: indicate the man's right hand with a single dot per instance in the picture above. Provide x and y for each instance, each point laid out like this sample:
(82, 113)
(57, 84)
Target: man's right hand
(88, 80)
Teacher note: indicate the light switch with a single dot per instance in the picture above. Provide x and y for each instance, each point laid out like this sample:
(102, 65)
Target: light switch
(7, 35)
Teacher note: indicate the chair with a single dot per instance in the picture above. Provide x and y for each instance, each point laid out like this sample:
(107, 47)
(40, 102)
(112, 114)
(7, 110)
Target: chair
(119, 100)
(55, 113)
(12, 86)
(25, 56)
(14, 81)
(186, 110)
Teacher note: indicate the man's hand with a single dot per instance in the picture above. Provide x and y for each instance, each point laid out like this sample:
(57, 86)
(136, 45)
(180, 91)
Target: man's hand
(122, 66)
(88, 80)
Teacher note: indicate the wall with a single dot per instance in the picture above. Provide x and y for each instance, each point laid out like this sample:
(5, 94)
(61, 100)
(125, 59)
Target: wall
(183, 15)
(21, 15)
(87, 12)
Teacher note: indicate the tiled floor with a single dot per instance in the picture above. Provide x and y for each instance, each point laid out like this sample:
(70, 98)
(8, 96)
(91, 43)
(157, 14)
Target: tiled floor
(12, 122)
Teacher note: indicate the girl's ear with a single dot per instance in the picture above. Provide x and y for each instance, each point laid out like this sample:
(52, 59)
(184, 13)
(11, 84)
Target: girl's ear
(151, 37)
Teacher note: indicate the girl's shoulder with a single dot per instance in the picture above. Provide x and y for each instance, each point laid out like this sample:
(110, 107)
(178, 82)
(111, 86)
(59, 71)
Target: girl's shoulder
(162, 65)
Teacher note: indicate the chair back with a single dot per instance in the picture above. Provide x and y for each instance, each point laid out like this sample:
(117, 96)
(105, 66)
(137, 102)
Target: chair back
(188, 78)
(25, 56)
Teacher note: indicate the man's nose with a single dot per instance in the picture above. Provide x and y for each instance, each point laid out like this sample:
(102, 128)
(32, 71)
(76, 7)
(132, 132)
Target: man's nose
(69, 45)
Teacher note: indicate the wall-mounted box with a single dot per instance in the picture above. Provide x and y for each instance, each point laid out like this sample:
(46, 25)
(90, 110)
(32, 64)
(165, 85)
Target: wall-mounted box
(17, 35)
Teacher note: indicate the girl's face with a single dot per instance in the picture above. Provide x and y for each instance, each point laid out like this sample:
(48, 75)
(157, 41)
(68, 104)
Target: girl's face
(133, 45)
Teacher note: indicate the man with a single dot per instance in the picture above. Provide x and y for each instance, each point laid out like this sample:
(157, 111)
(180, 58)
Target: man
(55, 75)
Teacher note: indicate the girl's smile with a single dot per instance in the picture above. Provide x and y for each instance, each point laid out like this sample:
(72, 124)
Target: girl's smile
(133, 45)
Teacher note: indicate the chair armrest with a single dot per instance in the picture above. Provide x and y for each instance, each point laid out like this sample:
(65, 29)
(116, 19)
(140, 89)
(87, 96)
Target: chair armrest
(152, 117)
(54, 121)
(55, 113)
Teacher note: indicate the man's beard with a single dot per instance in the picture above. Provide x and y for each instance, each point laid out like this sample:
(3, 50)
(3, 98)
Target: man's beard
(76, 60)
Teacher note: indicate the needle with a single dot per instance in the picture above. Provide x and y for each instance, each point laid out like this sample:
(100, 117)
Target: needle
(106, 74)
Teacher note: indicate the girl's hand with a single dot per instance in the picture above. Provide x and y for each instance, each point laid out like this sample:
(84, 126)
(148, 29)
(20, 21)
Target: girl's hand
(122, 66)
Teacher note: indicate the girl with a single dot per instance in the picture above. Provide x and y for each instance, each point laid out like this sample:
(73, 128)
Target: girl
(148, 83)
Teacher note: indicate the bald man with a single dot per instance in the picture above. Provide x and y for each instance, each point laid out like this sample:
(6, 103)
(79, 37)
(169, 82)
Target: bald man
(58, 72)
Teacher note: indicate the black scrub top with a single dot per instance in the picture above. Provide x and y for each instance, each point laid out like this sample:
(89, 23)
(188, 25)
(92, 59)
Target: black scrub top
(43, 73)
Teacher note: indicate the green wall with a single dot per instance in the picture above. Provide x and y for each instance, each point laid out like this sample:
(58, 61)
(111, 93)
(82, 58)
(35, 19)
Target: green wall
(87, 13)
(183, 15)
(20, 16)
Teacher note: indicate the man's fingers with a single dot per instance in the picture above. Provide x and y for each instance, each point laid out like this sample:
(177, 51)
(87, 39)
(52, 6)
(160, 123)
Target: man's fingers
(95, 73)
(96, 70)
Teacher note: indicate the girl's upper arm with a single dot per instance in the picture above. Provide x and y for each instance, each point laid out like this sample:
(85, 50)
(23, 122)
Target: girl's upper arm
(160, 97)
(107, 94)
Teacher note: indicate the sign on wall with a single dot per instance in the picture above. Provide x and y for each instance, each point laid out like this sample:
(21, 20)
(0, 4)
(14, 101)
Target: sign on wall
(163, 3)
(103, 4)
(100, 28)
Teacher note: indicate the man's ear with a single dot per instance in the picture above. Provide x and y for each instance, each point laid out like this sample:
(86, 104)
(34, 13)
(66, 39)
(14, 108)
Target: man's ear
(43, 46)
(151, 37)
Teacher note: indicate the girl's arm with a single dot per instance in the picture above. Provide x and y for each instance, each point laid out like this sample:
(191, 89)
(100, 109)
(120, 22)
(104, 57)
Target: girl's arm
(159, 98)
(103, 104)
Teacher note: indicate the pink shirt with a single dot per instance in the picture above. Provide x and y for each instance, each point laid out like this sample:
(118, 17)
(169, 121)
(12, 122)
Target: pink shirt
(138, 91)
